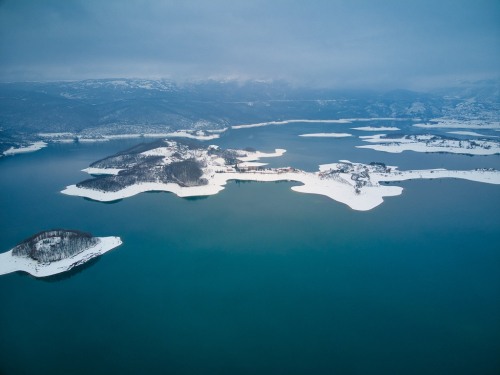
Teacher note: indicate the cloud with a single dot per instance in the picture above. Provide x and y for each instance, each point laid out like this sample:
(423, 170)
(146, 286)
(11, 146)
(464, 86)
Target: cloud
(320, 43)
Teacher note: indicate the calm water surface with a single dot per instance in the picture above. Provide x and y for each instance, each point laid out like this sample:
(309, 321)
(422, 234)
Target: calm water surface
(257, 279)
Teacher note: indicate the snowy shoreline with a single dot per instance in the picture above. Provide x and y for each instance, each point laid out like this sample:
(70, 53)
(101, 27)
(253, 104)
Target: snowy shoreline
(10, 263)
(354, 184)
(431, 143)
(327, 135)
(373, 129)
(459, 124)
(339, 121)
(474, 134)
(31, 148)
(342, 189)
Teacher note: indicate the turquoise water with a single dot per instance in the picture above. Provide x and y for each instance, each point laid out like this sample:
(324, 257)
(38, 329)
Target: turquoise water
(257, 279)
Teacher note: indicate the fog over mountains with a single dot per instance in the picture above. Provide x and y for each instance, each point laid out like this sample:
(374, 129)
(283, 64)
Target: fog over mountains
(94, 108)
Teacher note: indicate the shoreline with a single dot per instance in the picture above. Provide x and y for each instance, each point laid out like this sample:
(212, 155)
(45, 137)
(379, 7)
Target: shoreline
(326, 135)
(459, 124)
(339, 121)
(379, 129)
(341, 189)
(35, 146)
(431, 143)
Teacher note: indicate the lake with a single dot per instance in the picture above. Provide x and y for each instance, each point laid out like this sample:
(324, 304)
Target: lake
(258, 278)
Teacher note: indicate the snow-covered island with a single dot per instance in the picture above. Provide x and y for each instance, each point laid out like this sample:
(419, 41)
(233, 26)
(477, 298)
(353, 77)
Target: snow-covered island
(54, 251)
(191, 169)
(396, 143)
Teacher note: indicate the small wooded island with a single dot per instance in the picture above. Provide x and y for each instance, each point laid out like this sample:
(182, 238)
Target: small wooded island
(54, 251)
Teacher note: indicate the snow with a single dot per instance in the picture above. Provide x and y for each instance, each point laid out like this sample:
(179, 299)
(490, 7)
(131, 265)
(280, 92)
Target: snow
(331, 135)
(120, 136)
(251, 156)
(474, 134)
(250, 164)
(55, 135)
(485, 176)
(99, 171)
(33, 147)
(217, 130)
(10, 263)
(372, 129)
(184, 134)
(287, 122)
(354, 184)
(431, 143)
(93, 139)
(342, 189)
(340, 121)
(458, 124)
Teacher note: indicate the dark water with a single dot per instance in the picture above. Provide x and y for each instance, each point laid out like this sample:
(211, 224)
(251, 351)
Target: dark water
(257, 279)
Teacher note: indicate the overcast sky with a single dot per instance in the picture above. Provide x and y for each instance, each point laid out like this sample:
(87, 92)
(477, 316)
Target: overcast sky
(359, 44)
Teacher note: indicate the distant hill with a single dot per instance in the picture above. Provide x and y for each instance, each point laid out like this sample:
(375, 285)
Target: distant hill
(123, 106)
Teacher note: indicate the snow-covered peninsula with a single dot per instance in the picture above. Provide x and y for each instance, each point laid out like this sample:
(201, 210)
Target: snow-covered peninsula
(31, 148)
(459, 124)
(474, 134)
(52, 252)
(354, 184)
(396, 143)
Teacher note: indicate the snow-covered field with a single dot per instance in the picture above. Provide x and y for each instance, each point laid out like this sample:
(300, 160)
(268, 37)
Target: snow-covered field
(56, 135)
(373, 129)
(217, 130)
(101, 171)
(474, 134)
(328, 135)
(93, 140)
(431, 143)
(252, 156)
(33, 147)
(122, 136)
(10, 263)
(459, 124)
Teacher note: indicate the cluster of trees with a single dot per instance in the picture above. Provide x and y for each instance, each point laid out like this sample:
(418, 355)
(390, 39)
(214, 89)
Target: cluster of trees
(185, 173)
(334, 175)
(120, 159)
(53, 245)
(141, 168)
(379, 167)
(344, 168)
(132, 155)
(125, 161)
